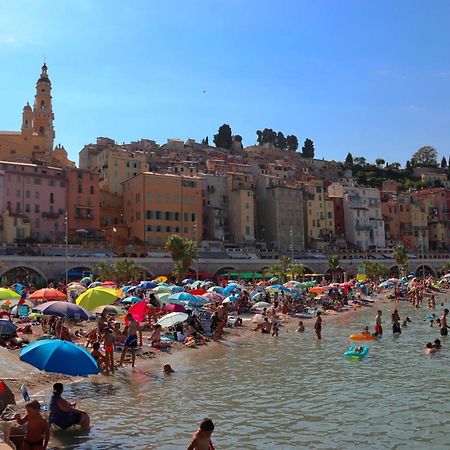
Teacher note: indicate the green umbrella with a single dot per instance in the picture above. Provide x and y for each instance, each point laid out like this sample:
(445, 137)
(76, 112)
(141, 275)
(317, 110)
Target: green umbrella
(92, 298)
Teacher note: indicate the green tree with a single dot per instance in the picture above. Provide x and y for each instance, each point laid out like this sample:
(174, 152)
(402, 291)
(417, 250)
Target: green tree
(223, 139)
(401, 258)
(425, 157)
(126, 269)
(380, 162)
(349, 160)
(308, 149)
(104, 271)
(281, 140)
(446, 267)
(359, 161)
(375, 270)
(334, 265)
(443, 163)
(280, 268)
(296, 270)
(183, 252)
(292, 143)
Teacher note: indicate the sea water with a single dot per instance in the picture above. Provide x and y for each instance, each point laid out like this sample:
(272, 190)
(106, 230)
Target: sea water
(289, 392)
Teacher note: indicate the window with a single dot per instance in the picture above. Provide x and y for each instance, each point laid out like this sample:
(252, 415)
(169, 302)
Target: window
(149, 228)
(27, 194)
(247, 230)
(168, 229)
(177, 216)
(37, 181)
(18, 208)
(167, 215)
(38, 222)
(193, 217)
(52, 197)
(27, 208)
(36, 209)
(18, 193)
(177, 229)
(92, 190)
(149, 215)
(36, 194)
(80, 188)
(186, 217)
(158, 215)
(51, 182)
(158, 228)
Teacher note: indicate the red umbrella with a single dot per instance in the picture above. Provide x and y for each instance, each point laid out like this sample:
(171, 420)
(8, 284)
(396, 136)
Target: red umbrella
(48, 294)
(170, 308)
(109, 283)
(139, 311)
(197, 291)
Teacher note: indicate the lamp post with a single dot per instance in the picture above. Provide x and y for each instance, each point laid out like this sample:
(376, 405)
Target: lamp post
(423, 256)
(66, 220)
(291, 232)
(196, 247)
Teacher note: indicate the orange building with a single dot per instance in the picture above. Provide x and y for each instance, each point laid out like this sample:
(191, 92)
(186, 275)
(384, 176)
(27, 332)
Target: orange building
(82, 202)
(36, 137)
(159, 205)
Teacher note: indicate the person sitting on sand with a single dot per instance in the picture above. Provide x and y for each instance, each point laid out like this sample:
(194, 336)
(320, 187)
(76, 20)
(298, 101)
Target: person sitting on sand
(366, 331)
(38, 431)
(98, 355)
(301, 327)
(429, 349)
(64, 414)
(202, 437)
(155, 338)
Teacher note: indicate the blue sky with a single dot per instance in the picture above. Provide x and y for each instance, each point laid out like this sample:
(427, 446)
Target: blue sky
(367, 77)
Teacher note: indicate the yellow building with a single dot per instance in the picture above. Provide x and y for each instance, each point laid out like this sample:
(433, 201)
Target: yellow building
(241, 207)
(36, 137)
(319, 216)
(159, 205)
(14, 227)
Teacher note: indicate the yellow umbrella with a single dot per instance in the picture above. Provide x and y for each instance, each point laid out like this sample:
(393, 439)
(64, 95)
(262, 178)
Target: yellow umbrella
(8, 294)
(161, 279)
(93, 298)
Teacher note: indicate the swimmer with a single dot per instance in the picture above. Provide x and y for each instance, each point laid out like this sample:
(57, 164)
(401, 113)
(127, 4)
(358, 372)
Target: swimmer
(429, 349)
(366, 331)
(301, 327)
(167, 369)
(202, 437)
(404, 324)
(437, 344)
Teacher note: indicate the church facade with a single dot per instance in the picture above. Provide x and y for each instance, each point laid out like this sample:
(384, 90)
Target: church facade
(35, 140)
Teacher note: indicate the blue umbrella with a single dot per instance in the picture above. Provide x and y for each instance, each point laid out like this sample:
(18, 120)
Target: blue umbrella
(278, 287)
(147, 285)
(196, 301)
(229, 289)
(231, 298)
(188, 281)
(126, 288)
(7, 328)
(182, 296)
(175, 289)
(64, 309)
(54, 355)
(132, 299)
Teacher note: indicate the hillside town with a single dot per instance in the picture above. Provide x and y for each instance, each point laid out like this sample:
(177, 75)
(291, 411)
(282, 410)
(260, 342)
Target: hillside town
(270, 199)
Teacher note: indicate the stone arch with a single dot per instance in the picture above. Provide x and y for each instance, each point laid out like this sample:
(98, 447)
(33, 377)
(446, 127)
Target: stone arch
(424, 268)
(78, 271)
(224, 270)
(23, 275)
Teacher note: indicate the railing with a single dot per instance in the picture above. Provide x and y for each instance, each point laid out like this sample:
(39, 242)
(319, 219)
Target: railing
(50, 215)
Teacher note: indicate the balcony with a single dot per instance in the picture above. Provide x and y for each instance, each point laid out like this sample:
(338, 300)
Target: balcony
(50, 214)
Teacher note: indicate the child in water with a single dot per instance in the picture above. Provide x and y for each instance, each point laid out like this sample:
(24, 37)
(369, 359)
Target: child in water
(301, 327)
(202, 437)
(366, 331)
(275, 329)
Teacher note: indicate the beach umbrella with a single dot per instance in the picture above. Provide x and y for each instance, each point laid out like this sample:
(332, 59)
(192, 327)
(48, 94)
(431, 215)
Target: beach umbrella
(262, 283)
(147, 285)
(175, 289)
(188, 281)
(394, 280)
(278, 287)
(197, 301)
(217, 289)
(126, 288)
(111, 284)
(292, 284)
(92, 298)
(110, 310)
(261, 305)
(132, 299)
(76, 287)
(7, 328)
(86, 281)
(18, 287)
(6, 304)
(171, 319)
(182, 296)
(163, 298)
(161, 279)
(258, 318)
(316, 289)
(257, 296)
(307, 284)
(35, 315)
(6, 294)
(171, 308)
(161, 289)
(231, 299)
(95, 284)
(48, 294)
(273, 280)
(139, 311)
(57, 356)
(386, 284)
(197, 284)
(213, 297)
(64, 309)
(197, 291)
(231, 288)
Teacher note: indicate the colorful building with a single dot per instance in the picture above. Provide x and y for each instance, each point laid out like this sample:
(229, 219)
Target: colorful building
(159, 205)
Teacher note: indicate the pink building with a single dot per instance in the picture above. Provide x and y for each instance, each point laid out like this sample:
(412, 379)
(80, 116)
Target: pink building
(37, 192)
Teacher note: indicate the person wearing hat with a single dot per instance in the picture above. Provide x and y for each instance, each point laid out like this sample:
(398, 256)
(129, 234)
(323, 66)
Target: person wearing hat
(38, 431)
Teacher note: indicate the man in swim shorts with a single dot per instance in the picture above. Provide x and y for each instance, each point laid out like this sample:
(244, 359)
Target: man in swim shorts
(38, 431)
(131, 341)
(443, 323)
(378, 327)
(318, 325)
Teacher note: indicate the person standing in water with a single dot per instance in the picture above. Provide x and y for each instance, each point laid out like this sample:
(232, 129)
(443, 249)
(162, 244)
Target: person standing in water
(318, 325)
(443, 323)
(132, 339)
(202, 437)
(395, 322)
(378, 327)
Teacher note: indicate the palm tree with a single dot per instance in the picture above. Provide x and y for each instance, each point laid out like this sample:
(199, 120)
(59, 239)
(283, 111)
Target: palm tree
(401, 258)
(104, 271)
(296, 270)
(280, 268)
(126, 269)
(183, 252)
(334, 265)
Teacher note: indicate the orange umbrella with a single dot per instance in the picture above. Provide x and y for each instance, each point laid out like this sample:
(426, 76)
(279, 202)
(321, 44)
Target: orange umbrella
(262, 283)
(317, 289)
(48, 294)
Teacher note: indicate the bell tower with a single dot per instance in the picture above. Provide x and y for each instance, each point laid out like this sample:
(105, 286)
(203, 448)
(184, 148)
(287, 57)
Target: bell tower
(42, 110)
